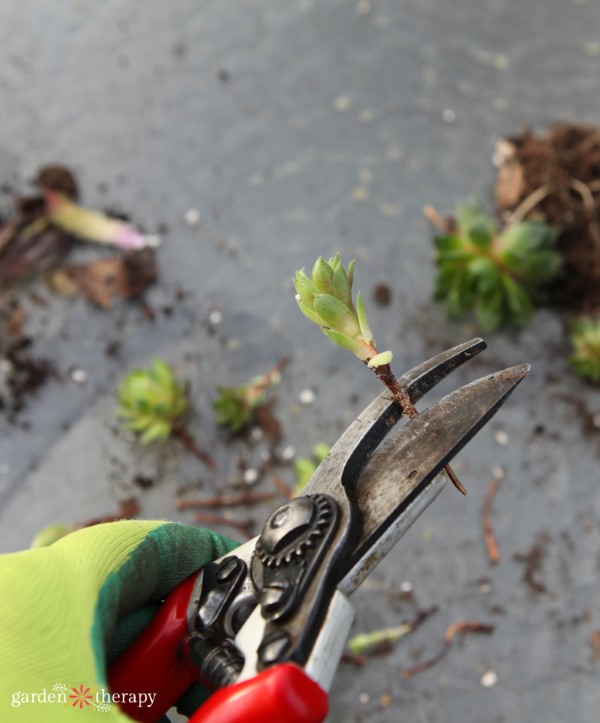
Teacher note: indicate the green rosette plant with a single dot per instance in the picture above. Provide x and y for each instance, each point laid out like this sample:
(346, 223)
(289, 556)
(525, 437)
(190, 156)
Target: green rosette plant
(236, 407)
(499, 275)
(153, 402)
(585, 338)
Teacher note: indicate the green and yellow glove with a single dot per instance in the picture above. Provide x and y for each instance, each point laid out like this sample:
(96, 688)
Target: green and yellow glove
(67, 610)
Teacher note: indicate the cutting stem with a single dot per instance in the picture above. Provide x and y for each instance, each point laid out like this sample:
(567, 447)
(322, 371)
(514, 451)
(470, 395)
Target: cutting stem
(402, 399)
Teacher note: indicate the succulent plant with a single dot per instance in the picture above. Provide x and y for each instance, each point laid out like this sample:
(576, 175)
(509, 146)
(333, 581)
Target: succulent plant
(499, 275)
(326, 299)
(585, 338)
(152, 401)
(235, 407)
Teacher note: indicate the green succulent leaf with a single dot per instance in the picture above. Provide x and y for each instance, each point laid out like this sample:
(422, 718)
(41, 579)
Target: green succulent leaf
(337, 315)
(309, 313)
(361, 351)
(475, 224)
(305, 288)
(322, 276)
(363, 322)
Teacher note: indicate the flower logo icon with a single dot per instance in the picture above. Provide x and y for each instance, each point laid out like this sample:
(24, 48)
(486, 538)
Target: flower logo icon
(81, 696)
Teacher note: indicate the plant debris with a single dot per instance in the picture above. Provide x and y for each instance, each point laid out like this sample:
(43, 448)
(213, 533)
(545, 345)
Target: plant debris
(246, 527)
(237, 407)
(556, 176)
(533, 560)
(460, 627)
(488, 534)
(100, 281)
(127, 509)
(46, 229)
(21, 374)
(248, 498)
(378, 642)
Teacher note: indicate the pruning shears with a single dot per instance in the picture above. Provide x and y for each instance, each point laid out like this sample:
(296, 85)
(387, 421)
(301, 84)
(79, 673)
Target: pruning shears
(265, 626)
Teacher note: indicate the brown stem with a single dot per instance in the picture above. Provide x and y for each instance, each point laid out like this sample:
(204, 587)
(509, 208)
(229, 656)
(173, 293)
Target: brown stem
(528, 204)
(402, 399)
(248, 498)
(459, 628)
(488, 533)
(205, 518)
(191, 446)
(281, 487)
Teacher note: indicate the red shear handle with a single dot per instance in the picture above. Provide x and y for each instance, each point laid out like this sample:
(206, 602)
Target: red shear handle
(282, 694)
(151, 665)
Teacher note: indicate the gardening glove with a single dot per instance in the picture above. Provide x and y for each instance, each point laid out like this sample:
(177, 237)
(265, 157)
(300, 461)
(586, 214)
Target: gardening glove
(67, 610)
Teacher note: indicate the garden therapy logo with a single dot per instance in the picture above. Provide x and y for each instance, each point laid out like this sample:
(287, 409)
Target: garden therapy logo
(80, 697)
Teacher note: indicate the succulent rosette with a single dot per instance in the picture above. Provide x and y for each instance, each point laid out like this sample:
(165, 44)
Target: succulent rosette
(498, 275)
(152, 401)
(585, 338)
(326, 299)
(236, 407)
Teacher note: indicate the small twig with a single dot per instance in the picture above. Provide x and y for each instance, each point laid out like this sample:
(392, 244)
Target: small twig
(248, 498)
(127, 509)
(357, 660)
(401, 397)
(206, 518)
(436, 219)
(590, 206)
(191, 446)
(528, 204)
(281, 486)
(458, 628)
(385, 644)
(488, 534)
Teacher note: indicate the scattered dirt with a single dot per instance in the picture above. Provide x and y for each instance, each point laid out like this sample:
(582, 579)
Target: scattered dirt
(533, 560)
(382, 294)
(58, 178)
(265, 418)
(21, 375)
(556, 176)
(99, 281)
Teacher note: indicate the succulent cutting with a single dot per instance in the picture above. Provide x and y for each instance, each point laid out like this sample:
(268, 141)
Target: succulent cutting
(326, 299)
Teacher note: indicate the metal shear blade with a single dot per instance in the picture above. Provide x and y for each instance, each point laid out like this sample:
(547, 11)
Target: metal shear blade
(404, 466)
